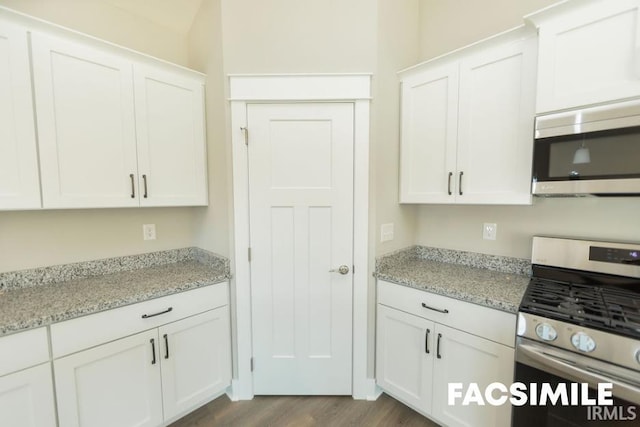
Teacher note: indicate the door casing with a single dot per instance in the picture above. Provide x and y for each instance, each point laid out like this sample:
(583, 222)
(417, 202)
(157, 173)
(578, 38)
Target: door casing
(247, 89)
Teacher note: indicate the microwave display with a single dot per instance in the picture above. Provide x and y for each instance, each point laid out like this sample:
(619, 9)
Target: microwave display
(609, 154)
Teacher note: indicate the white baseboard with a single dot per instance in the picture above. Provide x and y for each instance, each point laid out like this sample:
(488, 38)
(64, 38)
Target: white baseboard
(371, 391)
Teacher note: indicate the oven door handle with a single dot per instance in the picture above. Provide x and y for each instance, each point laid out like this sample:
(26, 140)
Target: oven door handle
(575, 368)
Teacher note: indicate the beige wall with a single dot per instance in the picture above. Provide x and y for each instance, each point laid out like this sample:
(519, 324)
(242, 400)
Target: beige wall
(397, 44)
(105, 21)
(446, 25)
(450, 24)
(460, 227)
(298, 36)
(30, 239)
(213, 224)
(40, 238)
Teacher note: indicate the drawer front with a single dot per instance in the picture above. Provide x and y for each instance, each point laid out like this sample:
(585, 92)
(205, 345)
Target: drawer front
(84, 332)
(495, 325)
(23, 350)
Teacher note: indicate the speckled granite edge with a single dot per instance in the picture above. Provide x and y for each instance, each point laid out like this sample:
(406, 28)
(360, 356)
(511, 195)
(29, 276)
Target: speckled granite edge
(65, 272)
(498, 263)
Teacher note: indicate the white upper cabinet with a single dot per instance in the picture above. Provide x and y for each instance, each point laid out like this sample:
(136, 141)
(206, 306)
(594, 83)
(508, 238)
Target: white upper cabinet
(589, 53)
(495, 125)
(115, 128)
(86, 124)
(115, 132)
(467, 124)
(19, 182)
(172, 161)
(429, 129)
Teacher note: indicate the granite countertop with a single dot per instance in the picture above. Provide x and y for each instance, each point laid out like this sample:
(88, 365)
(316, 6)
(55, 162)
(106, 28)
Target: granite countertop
(39, 297)
(491, 281)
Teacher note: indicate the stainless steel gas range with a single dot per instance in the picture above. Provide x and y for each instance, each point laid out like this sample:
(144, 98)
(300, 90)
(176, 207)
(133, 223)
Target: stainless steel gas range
(579, 333)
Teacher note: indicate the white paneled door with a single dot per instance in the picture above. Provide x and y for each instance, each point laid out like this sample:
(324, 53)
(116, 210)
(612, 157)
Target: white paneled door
(301, 220)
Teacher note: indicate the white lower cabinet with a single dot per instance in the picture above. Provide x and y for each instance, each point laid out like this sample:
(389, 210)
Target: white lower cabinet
(419, 353)
(26, 387)
(115, 384)
(26, 398)
(152, 377)
(466, 358)
(404, 365)
(196, 360)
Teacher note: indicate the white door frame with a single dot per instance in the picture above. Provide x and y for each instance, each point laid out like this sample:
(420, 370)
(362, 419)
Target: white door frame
(352, 88)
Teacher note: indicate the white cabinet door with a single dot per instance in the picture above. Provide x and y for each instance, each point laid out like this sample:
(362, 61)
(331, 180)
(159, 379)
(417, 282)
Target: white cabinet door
(171, 138)
(19, 182)
(429, 123)
(404, 356)
(465, 358)
(115, 384)
(589, 55)
(495, 134)
(196, 360)
(86, 125)
(26, 398)
(467, 126)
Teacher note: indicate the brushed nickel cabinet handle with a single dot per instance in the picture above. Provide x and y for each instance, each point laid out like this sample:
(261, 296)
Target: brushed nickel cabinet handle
(438, 349)
(133, 188)
(166, 346)
(153, 350)
(144, 180)
(460, 183)
(449, 183)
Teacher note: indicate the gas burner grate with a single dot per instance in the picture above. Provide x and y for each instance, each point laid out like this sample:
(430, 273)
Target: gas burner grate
(606, 308)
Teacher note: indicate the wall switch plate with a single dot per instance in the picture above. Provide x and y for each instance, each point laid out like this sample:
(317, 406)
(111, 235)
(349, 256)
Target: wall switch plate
(489, 231)
(149, 231)
(386, 232)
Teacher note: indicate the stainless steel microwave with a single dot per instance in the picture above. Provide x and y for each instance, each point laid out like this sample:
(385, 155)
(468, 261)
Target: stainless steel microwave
(590, 151)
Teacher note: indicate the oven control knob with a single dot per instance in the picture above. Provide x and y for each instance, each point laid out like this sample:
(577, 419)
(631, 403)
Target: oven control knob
(546, 332)
(583, 342)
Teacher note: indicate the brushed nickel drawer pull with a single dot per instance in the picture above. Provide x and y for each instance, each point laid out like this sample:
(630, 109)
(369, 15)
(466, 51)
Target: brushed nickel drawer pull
(439, 310)
(146, 316)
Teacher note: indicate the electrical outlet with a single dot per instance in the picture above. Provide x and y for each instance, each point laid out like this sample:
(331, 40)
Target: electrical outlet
(489, 231)
(149, 231)
(386, 232)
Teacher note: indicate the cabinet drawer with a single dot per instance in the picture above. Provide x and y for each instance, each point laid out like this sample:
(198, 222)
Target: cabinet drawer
(84, 332)
(495, 325)
(22, 350)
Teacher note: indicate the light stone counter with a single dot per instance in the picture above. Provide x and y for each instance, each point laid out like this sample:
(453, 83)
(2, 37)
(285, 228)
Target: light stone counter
(39, 297)
(491, 281)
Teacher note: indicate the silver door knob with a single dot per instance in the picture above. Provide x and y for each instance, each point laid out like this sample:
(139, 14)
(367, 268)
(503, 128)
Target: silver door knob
(343, 269)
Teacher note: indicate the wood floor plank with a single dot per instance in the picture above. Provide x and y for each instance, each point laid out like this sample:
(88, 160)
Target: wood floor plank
(304, 411)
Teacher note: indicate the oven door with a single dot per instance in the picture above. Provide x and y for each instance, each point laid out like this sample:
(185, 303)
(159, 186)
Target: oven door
(539, 363)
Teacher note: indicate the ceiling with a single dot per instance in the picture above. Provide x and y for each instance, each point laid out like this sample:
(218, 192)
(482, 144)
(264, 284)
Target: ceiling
(177, 15)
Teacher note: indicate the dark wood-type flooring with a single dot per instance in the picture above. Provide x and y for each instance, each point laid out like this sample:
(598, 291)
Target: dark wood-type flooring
(300, 411)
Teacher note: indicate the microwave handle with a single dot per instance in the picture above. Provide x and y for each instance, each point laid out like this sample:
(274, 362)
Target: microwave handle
(537, 357)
